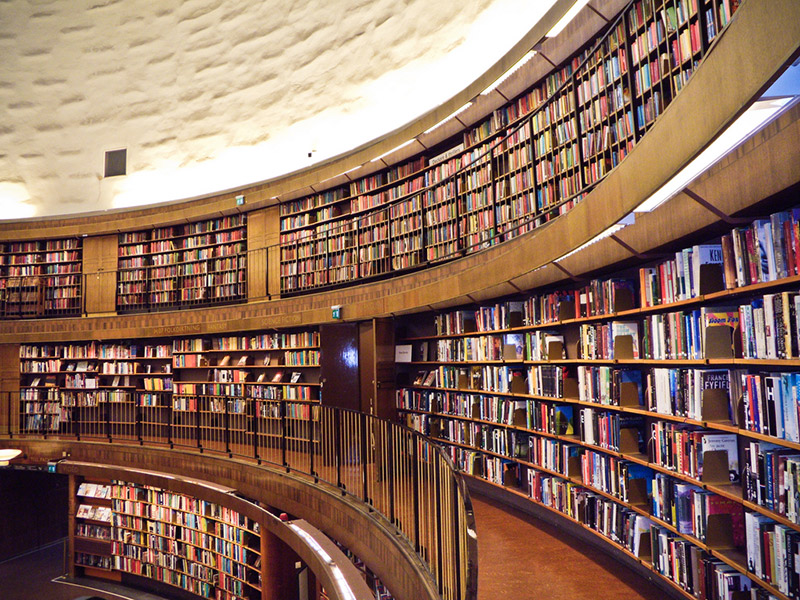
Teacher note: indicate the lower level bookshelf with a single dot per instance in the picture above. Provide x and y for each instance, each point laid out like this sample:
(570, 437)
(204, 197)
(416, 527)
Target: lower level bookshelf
(200, 547)
(690, 568)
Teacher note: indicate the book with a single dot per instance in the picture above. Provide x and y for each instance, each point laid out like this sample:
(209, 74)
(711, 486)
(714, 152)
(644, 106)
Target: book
(296, 376)
(564, 419)
(277, 376)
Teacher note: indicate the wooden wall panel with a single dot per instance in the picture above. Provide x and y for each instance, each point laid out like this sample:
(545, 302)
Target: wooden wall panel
(257, 255)
(9, 385)
(273, 257)
(339, 373)
(100, 255)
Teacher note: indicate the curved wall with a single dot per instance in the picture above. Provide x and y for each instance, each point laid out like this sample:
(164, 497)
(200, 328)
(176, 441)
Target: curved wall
(733, 75)
(359, 529)
(206, 96)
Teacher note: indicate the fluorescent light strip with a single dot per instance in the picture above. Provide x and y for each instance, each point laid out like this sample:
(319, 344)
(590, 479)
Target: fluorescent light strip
(627, 220)
(510, 72)
(452, 116)
(568, 16)
(338, 576)
(751, 121)
(403, 145)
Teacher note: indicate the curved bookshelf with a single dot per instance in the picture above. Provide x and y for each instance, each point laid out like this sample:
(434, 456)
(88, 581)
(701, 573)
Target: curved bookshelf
(597, 404)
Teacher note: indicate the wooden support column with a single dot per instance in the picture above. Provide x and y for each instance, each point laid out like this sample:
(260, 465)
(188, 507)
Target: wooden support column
(272, 243)
(72, 510)
(9, 387)
(100, 274)
(278, 571)
(257, 221)
(376, 359)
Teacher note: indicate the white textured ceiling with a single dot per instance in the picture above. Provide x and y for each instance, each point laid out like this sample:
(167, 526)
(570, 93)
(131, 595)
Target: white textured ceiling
(207, 95)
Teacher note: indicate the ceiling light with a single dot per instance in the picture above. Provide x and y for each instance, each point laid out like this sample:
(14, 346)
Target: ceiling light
(451, 116)
(751, 121)
(509, 73)
(338, 576)
(403, 145)
(627, 220)
(568, 16)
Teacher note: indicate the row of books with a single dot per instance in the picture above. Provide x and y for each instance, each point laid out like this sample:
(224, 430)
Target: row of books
(94, 513)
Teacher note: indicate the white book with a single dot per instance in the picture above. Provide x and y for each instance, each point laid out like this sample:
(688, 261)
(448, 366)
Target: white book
(753, 543)
(769, 327)
(758, 329)
(790, 391)
(780, 564)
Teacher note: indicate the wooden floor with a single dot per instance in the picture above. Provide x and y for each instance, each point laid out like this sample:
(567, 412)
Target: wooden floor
(523, 558)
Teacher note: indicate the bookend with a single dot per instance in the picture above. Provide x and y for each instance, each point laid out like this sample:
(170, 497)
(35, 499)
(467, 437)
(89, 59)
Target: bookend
(566, 310)
(623, 300)
(629, 441)
(721, 342)
(476, 412)
(711, 279)
(520, 418)
(715, 468)
(719, 532)
(623, 347)
(637, 492)
(518, 385)
(555, 350)
(629, 394)
(570, 386)
(574, 466)
(510, 352)
(645, 547)
(510, 475)
(715, 406)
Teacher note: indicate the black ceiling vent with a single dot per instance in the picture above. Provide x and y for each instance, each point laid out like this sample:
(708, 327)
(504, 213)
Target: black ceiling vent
(116, 161)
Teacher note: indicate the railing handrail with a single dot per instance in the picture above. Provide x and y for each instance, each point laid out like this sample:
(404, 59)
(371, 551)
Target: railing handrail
(382, 461)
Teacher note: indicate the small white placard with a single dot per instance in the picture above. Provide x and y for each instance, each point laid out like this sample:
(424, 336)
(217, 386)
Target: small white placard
(402, 353)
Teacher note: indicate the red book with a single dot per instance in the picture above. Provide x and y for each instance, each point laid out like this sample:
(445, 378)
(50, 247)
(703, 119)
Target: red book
(752, 256)
(728, 262)
(718, 505)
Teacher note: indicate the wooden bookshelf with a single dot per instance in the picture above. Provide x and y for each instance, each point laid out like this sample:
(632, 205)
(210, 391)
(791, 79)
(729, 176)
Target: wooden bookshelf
(91, 528)
(527, 162)
(181, 266)
(41, 278)
(666, 397)
(232, 394)
(106, 390)
(123, 530)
